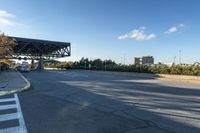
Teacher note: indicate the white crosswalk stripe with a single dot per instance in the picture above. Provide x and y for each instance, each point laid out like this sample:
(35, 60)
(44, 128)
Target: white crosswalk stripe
(21, 128)
(7, 100)
(6, 117)
(10, 130)
(4, 107)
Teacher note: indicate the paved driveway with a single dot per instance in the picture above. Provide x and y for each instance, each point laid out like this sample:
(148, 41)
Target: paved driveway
(95, 102)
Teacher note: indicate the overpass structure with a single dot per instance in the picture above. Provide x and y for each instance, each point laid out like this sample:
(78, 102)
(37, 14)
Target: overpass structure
(36, 49)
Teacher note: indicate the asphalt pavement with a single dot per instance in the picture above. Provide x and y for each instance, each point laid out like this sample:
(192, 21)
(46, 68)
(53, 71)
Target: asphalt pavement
(94, 102)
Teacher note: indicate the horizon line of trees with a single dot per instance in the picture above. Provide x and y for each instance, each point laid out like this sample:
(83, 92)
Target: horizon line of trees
(109, 65)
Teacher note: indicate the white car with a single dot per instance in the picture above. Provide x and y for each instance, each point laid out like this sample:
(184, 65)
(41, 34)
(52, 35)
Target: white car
(24, 69)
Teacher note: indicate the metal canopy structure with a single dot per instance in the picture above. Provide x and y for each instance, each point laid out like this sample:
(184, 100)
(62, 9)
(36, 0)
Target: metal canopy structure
(37, 49)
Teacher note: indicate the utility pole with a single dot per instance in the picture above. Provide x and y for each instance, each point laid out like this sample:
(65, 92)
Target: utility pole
(105, 65)
(174, 59)
(85, 65)
(124, 59)
(180, 57)
(140, 65)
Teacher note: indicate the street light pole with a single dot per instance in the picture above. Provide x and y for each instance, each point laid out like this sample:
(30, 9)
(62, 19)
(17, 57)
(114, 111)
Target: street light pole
(180, 57)
(85, 64)
(140, 65)
(174, 59)
(124, 59)
(105, 65)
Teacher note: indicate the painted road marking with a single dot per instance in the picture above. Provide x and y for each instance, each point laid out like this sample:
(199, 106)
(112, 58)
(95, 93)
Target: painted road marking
(6, 117)
(4, 107)
(20, 116)
(7, 100)
(20, 127)
(10, 130)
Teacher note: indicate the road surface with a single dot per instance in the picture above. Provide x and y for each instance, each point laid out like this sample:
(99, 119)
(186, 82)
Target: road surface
(95, 102)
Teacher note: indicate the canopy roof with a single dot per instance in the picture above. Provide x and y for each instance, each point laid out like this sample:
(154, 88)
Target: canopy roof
(36, 48)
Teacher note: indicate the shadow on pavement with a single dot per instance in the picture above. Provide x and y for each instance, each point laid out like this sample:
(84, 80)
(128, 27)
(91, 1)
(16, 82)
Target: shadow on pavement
(92, 102)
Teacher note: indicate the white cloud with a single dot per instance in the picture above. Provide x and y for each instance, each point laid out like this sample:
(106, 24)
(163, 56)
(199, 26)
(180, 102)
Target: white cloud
(5, 14)
(151, 36)
(123, 37)
(138, 34)
(174, 28)
(4, 21)
(6, 18)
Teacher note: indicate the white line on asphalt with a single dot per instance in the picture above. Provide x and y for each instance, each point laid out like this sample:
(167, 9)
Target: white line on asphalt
(22, 125)
(10, 116)
(10, 130)
(7, 100)
(4, 107)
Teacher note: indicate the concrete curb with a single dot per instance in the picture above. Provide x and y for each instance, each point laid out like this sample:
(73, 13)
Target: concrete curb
(17, 90)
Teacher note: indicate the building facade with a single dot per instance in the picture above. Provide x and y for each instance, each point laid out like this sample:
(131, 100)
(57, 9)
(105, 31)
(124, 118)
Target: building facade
(137, 61)
(145, 60)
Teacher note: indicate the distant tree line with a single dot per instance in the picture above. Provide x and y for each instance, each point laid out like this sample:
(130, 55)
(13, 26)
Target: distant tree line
(110, 65)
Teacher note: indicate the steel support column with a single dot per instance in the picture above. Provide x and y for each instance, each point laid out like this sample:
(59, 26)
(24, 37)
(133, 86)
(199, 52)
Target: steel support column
(40, 63)
(32, 64)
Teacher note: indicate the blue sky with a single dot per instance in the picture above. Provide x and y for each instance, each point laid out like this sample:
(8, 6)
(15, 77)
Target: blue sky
(110, 28)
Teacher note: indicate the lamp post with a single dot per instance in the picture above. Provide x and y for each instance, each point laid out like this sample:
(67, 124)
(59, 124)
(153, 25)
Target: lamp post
(124, 59)
(174, 59)
(105, 65)
(180, 57)
(85, 64)
(140, 65)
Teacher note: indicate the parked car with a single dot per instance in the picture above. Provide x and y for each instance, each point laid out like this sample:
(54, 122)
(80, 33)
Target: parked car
(18, 68)
(4, 66)
(23, 69)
